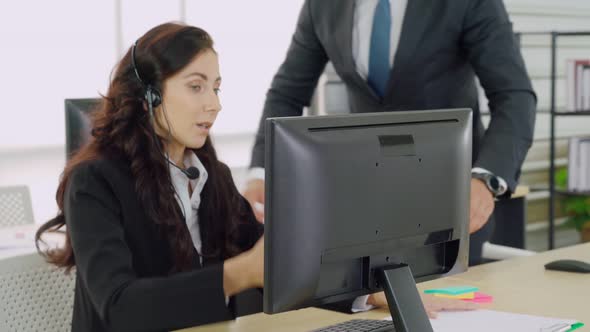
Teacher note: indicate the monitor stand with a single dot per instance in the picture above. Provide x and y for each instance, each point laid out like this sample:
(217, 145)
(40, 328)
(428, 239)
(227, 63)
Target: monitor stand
(405, 304)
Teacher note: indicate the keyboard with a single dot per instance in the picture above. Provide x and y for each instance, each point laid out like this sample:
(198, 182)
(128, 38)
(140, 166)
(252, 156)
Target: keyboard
(360, 325)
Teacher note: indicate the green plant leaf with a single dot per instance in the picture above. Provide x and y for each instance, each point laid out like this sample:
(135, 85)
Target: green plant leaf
(576, 206)
(577, 222)
(561, 178)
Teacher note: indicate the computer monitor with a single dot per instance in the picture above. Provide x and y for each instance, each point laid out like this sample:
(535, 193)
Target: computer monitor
(360, 203)
(78, 122)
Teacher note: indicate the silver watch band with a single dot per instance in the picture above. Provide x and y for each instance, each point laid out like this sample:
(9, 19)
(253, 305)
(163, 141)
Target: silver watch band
(498, 189)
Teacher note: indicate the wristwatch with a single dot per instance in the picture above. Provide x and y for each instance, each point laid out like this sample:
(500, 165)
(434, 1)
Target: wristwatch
(494, 184)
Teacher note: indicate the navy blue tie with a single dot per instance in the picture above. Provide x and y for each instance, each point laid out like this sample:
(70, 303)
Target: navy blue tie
(379, 49)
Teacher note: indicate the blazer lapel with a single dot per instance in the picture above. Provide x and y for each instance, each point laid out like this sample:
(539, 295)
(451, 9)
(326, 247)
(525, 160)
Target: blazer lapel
(417, 16)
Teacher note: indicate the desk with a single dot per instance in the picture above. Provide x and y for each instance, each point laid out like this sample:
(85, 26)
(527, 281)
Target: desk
(520, 192)
(519, 285)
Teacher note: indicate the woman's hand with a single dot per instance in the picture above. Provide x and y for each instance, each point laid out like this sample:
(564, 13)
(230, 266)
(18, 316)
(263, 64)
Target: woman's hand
(255, 270)
(245, 270)
(432, 304)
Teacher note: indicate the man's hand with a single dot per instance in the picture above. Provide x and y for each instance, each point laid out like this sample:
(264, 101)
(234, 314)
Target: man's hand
(254, 194)
(481, 207)
(432, 304)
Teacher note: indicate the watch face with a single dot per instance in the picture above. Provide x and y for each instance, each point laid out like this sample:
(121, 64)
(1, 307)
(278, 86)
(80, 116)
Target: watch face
(494, 183)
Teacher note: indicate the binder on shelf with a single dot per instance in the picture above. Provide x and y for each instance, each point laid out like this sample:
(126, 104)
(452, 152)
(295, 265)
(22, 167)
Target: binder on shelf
(578, 84)
(584, 169)
(579, 164)
(573, 164)
(586, 87)
(570, 85)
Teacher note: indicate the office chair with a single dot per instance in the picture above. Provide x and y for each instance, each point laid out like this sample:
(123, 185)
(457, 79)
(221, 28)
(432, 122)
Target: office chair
(508, 239)
(78, 113)
(34, 295)
(15, 206)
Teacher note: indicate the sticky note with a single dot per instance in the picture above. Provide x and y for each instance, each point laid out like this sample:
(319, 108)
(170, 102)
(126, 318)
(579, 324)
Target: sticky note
(452, 290)
(575, 326)
(465, 296)
(481, 298)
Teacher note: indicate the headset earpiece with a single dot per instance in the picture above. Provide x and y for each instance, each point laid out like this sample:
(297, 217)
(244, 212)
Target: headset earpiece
(153, 95)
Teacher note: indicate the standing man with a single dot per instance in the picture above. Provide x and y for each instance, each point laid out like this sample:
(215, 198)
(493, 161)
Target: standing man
(412, 55)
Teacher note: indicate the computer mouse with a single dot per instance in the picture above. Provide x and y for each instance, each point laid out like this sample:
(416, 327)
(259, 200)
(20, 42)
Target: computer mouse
(568, 265)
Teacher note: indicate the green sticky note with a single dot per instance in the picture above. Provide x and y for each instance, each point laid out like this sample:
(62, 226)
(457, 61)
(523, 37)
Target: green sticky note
(452, 290)
(575, 326)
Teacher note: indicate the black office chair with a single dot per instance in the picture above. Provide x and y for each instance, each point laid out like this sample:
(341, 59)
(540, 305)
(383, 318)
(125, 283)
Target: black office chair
(78, 122)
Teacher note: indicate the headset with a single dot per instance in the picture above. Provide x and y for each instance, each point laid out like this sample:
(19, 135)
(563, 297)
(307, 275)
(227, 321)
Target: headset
(153, 98)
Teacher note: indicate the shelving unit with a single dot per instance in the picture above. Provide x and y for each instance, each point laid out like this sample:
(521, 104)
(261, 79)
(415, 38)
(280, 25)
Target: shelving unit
(553, 115)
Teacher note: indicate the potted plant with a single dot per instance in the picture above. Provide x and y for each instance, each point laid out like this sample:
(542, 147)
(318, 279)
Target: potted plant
(577, 208)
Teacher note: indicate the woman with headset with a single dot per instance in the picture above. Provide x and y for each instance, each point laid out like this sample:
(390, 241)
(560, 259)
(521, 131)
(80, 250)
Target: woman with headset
(158, 235)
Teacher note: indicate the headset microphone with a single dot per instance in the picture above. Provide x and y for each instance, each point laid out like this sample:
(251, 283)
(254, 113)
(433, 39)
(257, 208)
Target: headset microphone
(191, 172)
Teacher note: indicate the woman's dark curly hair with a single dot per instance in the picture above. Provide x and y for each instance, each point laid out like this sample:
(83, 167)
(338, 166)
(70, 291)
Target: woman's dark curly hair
(122, 129)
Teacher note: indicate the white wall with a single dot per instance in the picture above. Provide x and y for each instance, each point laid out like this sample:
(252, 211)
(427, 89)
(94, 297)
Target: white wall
(67, 48)
(51, 50)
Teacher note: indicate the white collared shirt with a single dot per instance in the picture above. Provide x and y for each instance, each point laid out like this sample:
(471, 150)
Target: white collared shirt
(190, 203)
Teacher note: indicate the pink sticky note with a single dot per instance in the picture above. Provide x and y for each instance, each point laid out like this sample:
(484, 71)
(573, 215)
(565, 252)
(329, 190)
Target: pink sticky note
(481, 298)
